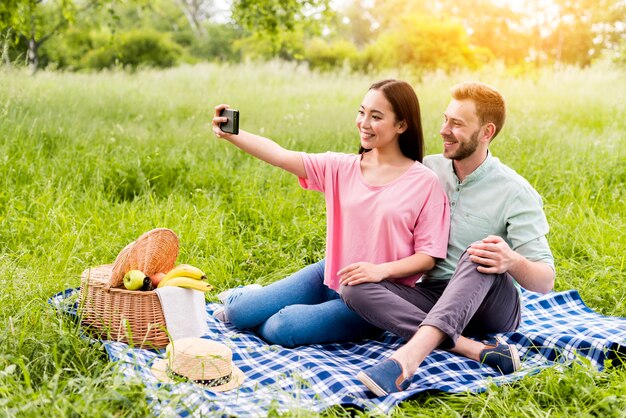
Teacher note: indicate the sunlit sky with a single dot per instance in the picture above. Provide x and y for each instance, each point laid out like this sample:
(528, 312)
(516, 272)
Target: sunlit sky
(546, 19)
(550, 11)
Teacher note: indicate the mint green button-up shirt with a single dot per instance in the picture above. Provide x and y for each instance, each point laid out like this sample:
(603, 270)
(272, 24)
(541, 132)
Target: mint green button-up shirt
(492, 200)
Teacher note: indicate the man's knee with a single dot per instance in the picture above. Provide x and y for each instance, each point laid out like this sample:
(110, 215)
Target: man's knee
(466, 269)
(465, 259)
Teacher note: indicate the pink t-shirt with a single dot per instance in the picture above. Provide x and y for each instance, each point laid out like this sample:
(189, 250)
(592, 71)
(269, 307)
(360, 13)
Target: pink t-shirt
(377, 224)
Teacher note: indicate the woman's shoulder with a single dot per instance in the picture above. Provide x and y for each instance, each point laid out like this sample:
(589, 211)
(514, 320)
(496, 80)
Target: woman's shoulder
(327, 162)
(424, 172)
(332, 154)
(424, 181)
(334, 157)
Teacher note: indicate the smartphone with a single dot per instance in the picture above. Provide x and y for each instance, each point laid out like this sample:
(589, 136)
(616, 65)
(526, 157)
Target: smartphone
(231, 126)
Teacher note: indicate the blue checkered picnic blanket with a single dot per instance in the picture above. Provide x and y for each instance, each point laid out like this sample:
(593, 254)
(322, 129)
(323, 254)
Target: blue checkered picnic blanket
(556, 328)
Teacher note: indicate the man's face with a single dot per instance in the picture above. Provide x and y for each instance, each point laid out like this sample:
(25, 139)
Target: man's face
(460, 130)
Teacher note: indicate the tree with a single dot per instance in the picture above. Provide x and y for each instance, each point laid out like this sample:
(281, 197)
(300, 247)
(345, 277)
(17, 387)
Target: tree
(496, 27)
(35, 21)
(8, 18)
(196, 12)
(271, 21)
(422, 43)
(386, 13)
(584, 28)
(354, 22)
(568, 31)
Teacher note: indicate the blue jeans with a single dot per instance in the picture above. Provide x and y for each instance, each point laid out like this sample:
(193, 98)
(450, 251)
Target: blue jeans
(297, 310)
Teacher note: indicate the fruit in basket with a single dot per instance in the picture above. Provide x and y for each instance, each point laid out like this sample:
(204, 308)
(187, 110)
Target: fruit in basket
(156, 279)
(183, 270)
(147, 284)
(188, 283)
(133, 279)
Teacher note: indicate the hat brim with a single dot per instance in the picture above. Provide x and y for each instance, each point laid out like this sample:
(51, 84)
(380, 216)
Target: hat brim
(159, 370)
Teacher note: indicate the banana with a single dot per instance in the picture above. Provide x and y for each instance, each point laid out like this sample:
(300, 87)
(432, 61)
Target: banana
(188, 283)
(182, 270)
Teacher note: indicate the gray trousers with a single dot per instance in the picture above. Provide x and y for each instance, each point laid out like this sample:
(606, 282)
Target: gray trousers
(469, 304)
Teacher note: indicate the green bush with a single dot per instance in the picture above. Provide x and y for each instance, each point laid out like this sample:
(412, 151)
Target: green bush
(68, 50)
(288, 46)
(217, 44)
(147, 48)
(328, 56)
(83, 49)
(102, 57)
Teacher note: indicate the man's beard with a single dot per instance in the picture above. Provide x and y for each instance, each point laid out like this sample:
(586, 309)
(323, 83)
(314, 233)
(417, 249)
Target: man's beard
(465, 149)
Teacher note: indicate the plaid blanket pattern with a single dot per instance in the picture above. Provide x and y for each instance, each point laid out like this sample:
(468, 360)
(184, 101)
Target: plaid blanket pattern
(556, 328)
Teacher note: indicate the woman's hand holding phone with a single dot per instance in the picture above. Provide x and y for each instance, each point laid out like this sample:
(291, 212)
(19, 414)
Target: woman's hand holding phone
(225, 121)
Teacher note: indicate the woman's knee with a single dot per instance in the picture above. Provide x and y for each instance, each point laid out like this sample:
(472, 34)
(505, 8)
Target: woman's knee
(241, 313)
(284, 329)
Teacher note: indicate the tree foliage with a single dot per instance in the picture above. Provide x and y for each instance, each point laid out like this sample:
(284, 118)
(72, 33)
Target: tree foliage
(565, 31)
(272, 23)
(274, 16)
(325, 56)
(584, 28)
(196, 12)
(419, 42)
(34, 22)
(363, 34)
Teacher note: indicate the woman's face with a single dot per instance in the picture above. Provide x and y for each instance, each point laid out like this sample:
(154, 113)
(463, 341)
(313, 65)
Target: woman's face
(376, 122)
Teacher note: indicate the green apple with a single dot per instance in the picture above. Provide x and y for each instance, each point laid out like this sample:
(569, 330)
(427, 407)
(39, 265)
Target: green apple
(133, 280)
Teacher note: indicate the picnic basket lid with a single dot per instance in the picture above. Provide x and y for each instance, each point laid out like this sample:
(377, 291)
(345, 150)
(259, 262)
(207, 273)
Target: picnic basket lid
(154, 251)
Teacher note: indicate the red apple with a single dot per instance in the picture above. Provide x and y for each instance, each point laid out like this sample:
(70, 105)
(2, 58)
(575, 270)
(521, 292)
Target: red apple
(156, 278)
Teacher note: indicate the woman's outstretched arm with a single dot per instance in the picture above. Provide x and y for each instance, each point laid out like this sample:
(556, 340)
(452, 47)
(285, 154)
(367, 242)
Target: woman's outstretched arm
(260, 147)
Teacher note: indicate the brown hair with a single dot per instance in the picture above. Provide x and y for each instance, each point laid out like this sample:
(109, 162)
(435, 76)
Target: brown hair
(490, 104)
(406, 107)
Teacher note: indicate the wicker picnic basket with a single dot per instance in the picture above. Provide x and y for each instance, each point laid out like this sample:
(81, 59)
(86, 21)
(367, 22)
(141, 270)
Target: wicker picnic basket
(111, 311)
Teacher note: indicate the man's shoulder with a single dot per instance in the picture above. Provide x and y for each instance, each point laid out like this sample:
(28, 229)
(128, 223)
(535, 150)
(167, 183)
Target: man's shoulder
(436, 162)
(505, 178)
(509, 174)
(434, 158)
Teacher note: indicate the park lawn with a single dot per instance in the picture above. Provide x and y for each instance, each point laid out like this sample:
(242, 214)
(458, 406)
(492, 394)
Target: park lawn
(88, 162)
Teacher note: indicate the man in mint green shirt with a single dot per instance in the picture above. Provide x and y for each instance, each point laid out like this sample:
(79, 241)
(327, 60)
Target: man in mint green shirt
(491, 200)
(497, 242)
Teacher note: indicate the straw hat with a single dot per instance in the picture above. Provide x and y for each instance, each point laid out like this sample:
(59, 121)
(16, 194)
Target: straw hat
(201, 361)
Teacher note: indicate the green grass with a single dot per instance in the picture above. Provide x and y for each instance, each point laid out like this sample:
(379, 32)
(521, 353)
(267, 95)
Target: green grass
(88, 162)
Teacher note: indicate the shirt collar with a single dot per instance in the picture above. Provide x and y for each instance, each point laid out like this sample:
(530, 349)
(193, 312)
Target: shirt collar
(480, 171)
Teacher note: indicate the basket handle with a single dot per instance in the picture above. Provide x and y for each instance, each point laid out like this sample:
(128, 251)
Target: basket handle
(120, 267)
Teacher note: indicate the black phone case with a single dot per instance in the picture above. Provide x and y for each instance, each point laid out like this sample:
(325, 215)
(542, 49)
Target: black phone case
(231, 126)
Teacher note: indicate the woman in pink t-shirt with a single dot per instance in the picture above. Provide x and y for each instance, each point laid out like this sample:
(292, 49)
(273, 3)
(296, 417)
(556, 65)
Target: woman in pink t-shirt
(387, 219)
